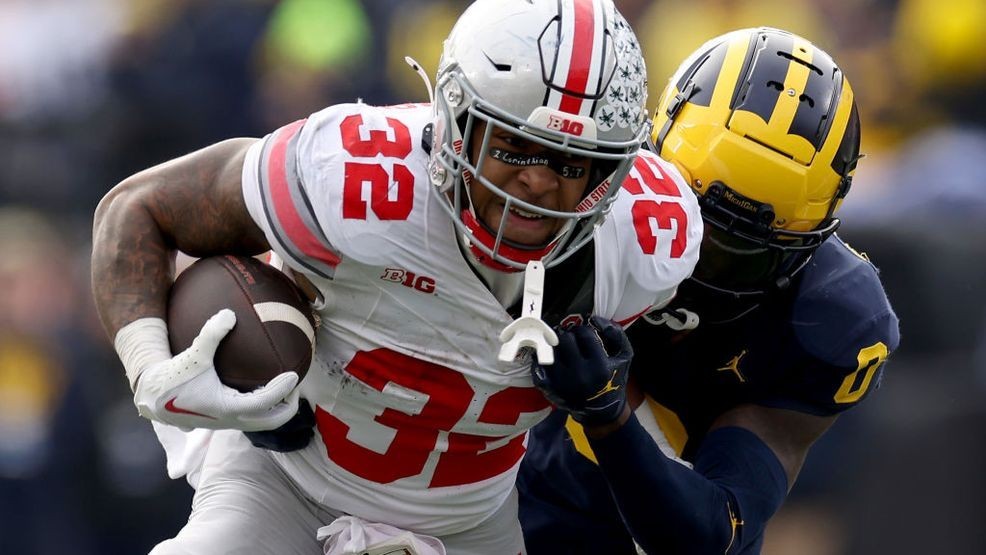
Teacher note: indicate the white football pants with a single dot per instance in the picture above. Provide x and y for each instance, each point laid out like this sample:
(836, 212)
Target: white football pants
(245, 504)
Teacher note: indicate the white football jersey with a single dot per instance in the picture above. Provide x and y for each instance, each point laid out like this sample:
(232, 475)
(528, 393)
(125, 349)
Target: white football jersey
(418, 424)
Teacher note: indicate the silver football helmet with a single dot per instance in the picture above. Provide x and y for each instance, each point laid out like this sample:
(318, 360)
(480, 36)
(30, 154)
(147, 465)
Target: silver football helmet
(565, 74)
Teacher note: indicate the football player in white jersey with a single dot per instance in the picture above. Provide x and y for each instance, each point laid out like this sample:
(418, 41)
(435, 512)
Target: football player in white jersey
(414, 223)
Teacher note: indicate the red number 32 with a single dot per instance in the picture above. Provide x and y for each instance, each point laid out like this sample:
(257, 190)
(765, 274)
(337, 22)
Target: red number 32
(645, 211)
(358, 173)
(466, 459)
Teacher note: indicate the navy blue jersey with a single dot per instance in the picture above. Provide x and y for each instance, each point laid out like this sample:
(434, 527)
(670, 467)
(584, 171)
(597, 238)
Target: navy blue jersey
(818, 348)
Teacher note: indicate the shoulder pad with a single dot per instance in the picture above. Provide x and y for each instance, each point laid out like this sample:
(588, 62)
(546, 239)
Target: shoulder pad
(325, 188)
(649, 242)
(841, 312)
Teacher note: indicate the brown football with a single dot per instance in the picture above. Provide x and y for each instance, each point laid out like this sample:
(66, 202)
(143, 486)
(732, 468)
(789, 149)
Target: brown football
(275, 325)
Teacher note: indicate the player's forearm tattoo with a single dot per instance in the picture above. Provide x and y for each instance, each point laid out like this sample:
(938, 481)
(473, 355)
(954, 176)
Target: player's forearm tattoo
(191, 204)
(131, 263)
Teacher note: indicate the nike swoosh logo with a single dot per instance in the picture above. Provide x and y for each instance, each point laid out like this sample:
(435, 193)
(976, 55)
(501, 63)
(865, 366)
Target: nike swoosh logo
(171, 407)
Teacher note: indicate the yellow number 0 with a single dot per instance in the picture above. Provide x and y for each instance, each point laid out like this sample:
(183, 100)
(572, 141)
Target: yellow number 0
(870, 358)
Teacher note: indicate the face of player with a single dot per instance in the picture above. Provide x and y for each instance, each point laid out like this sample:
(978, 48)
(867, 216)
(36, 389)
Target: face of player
(733, 276)
(735, 264)
(532, 173)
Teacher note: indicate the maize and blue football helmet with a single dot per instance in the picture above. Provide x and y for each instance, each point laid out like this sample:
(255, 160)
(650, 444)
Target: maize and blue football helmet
(764, 127)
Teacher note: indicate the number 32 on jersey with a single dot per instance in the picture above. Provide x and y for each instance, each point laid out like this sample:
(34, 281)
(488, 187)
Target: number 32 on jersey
(650, 213)
(465, 458)
(646, 211)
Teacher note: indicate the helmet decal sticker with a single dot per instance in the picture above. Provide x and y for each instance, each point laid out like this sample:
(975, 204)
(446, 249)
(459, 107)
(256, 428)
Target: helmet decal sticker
(627, 91)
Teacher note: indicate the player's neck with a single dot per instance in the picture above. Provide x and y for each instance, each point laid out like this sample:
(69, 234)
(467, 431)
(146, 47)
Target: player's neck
(507, 287)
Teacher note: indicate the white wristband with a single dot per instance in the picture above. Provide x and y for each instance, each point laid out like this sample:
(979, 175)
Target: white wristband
(140, 344)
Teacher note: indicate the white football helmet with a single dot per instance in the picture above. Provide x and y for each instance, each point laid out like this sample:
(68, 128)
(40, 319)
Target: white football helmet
(566, 74)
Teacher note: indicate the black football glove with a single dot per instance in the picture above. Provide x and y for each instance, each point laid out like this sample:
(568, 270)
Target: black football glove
(291, 436)
(589, 376)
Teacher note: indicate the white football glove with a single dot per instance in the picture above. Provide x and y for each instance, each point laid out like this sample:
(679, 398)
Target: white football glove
(185, 391)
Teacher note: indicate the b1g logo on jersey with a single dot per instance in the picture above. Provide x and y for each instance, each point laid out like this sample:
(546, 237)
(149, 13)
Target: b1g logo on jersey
(566, 125)
(423, 284)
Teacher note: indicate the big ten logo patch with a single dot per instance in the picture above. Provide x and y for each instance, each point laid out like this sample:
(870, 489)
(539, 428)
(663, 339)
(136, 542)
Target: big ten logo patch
(566, 125)
(423, 284)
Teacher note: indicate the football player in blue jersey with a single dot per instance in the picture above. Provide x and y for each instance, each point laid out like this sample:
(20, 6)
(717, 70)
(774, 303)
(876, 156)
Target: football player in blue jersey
(684, 438)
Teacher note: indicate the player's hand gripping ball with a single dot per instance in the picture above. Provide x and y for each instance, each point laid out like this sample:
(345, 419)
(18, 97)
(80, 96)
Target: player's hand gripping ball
(275, 325)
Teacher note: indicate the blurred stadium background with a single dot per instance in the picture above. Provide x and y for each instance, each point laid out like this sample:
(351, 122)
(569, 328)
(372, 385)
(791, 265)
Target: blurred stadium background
(94, 90)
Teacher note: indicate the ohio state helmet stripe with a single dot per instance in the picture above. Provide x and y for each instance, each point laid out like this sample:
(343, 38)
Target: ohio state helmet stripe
(288, 207)
(579, 55)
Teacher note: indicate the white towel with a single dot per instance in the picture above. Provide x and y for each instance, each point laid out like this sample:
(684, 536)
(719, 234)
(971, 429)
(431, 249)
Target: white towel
(185, 450)
(350, 535)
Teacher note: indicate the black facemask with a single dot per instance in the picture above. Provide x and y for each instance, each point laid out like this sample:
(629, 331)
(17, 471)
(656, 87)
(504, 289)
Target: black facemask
(713, 306)
(738, 267)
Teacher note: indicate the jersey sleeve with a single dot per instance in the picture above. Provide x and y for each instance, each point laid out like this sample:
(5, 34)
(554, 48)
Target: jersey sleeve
(276, 194)
(341, 186)
(649, 243)
(846, 329)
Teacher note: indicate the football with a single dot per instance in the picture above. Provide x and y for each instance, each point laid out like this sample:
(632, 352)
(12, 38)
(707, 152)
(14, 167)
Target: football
(275, 323)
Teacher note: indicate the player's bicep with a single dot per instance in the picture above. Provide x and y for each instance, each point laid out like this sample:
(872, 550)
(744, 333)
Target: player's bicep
(789, 434)
(197, 201)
